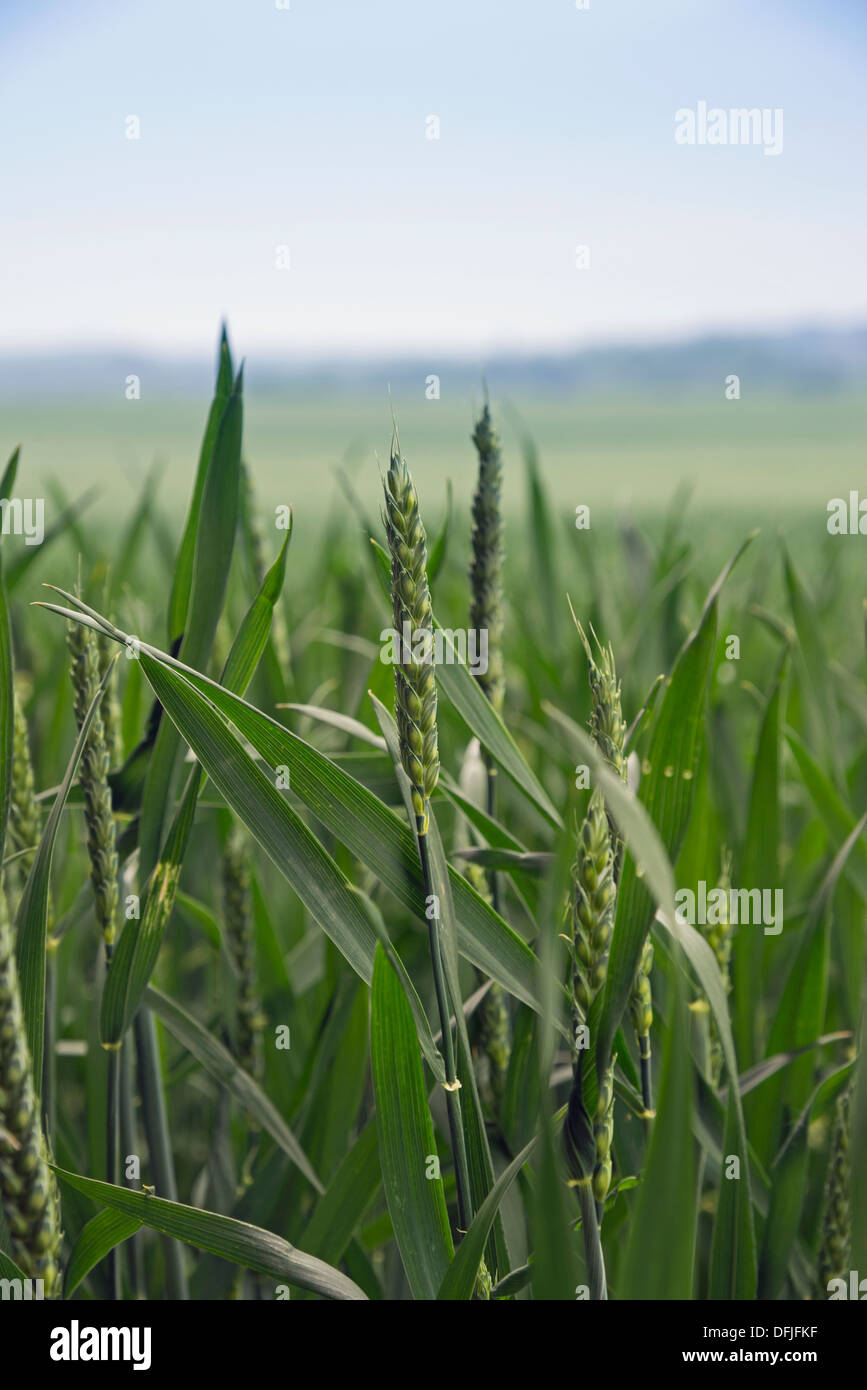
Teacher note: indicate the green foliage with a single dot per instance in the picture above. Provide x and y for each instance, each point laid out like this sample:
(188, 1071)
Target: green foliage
(325, 1089)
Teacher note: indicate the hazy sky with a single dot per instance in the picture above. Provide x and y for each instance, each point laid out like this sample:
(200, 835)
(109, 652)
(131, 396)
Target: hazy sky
(305, 128)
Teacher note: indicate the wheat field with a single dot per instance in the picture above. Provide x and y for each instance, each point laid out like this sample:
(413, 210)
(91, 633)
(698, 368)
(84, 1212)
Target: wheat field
(430, 898)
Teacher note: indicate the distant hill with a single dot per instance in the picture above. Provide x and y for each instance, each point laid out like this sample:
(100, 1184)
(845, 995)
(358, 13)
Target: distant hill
(811, 359)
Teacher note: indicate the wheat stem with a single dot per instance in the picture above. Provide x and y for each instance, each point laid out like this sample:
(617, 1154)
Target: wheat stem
(102, 850)
(486, 616)
(835, 1247)
(159, 1146)
(416, 716)
(453, 1099)
(28, 1190)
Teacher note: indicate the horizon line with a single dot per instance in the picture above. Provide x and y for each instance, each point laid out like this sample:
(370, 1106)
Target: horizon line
(340, 355)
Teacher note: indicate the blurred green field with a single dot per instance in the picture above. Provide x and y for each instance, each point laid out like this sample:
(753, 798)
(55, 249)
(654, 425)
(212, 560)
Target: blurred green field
(770, 458)
(776, 777)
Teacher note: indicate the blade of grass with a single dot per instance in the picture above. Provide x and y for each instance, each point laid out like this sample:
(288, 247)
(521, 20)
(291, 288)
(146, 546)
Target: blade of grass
(138, 948)
(407, 1146)
(460, 1278)
(665, 1212)
(183, 576)
(10, 472)
(102, 1234)
(788, 1187)
(463, 691)
(219, 1062)
(232, 1240)
(351, 1191)
(214, 544)
(760, 865)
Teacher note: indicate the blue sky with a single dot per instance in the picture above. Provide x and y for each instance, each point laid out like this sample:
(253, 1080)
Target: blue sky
(263, 127)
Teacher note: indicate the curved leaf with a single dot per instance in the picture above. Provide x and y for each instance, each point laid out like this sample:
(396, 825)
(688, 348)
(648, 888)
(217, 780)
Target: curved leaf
(350, 1193)
(271, 821)
(360, 821)
(461, 1275)
(233, 1240)
(480, 717)
(101, 1234)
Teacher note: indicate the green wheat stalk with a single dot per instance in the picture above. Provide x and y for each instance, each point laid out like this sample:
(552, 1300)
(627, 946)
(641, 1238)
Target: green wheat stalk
(93, 778)
(587, 1140)
(719, 937)
(416, 716)
(486, 615)
(493, 1024)
(109, 707)
(240, 941)
(25, 821)
(608, 730)
(102, 852)
(486, 607)
(835, 1246)
(25, 824)
(28, 1191)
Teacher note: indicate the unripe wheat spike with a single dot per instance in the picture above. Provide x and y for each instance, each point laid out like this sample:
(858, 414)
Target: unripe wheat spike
(27, 1187)
(486, 615)
(241, 945)
(24, 816)
(415, 682)
(416, 715)
(608, 729)
(93, 776)
(109, 708)
(719, 937)
(593, 901)
(835, 1248)
(486, 608)
(588, 1142)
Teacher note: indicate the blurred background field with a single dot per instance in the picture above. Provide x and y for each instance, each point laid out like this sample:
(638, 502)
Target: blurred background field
(621, 444)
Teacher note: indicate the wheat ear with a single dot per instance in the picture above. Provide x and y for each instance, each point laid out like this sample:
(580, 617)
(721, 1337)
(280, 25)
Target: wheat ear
(588, 1141)
(93, 777)
(28, 1190)
(486, 615)
(24, 817)
(834, 1250)
(241, 945)
(416, 716)
(608, 729)
(102, 851)
(415, 682)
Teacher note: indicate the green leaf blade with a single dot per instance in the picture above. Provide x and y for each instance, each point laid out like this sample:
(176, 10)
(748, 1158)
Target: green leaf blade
(406, 1138)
